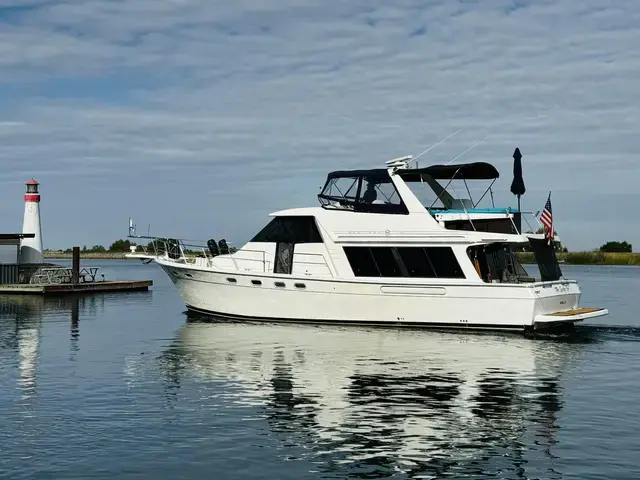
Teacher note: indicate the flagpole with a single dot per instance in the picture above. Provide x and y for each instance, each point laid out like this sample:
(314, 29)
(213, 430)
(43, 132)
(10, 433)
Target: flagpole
(519, 217)
(550, 234)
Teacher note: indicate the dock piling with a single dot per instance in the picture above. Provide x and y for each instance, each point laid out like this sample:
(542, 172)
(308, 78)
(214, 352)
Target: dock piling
(75, 266)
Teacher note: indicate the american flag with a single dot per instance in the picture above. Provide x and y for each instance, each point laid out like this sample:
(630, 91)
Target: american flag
(546, 218)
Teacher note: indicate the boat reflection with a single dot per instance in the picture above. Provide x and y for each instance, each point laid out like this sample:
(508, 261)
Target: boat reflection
(380, 402)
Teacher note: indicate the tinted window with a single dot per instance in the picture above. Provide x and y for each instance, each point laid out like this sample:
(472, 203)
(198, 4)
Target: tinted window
(386, 262)
(290, 230)
(362, 262)
(417, 262)
(444, 262)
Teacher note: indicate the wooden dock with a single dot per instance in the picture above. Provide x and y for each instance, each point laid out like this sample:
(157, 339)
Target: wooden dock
(85, 287)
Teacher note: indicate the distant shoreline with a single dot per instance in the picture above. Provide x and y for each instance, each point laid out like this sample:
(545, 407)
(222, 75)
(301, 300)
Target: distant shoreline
(570, 258)
(588, 258)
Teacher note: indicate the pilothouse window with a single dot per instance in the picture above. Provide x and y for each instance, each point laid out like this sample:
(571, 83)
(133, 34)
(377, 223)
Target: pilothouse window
(301, 229)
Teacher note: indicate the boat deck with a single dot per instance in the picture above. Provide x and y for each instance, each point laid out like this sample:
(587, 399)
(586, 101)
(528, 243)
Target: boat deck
(578, 311)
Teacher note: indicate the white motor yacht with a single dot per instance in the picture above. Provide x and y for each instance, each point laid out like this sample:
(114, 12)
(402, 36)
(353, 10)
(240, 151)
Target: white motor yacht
(372, 253)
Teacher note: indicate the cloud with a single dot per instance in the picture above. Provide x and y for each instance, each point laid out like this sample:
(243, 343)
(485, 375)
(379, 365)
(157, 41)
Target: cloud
(193, 114)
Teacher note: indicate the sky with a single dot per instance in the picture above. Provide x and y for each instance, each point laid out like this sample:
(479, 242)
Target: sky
(200, 117)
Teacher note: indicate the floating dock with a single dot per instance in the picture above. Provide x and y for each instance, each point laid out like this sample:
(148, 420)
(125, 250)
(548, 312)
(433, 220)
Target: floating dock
(67, 288)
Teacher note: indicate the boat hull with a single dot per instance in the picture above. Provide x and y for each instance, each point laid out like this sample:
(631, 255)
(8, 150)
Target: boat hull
(246, 296)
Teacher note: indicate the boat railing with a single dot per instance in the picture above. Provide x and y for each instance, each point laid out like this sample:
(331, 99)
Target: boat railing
(508, 213)
(241, 259)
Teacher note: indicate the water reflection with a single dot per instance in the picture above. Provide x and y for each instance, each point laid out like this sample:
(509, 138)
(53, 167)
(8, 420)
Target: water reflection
(21, 318)
(385, 402)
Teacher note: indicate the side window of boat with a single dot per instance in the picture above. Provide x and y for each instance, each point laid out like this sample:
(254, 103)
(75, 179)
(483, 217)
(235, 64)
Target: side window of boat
(386, 261)
(417, 262)
(361, 261)
(444, 262)
(290, 230)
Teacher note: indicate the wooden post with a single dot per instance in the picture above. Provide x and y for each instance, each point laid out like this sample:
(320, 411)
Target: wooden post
(75, 320)
(75, 267)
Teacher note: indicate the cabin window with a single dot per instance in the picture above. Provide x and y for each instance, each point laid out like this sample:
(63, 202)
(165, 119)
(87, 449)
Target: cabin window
(386, 262)
(417, 262)
(301, 229)
(362, 262)
(444, 262)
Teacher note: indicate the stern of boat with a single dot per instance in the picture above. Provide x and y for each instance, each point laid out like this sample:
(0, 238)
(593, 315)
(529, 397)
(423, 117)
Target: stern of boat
(558, 305)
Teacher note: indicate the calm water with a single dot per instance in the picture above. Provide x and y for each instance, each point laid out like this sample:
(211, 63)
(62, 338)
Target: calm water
(126, 385)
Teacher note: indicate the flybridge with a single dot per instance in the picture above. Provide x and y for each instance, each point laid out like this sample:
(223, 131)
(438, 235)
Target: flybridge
(385, 191)
(360, 189)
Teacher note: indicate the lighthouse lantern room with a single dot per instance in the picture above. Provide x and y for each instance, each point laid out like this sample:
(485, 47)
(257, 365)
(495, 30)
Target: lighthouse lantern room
(31, 248)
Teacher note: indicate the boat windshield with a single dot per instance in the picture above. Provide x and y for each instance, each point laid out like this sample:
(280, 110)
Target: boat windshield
(362, 191)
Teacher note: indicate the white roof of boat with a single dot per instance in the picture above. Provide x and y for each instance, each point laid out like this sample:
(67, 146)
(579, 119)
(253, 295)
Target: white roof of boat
(297, 212)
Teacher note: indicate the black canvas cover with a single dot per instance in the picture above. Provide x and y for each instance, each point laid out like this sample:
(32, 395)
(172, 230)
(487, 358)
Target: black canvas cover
(517, 185)
(466, 171)
(546, 259)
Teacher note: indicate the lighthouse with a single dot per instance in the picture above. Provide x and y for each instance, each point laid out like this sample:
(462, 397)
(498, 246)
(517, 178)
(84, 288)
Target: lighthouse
(31, 248)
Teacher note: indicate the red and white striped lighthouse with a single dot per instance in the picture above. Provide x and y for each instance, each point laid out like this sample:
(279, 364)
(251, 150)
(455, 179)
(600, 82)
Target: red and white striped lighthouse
(31, 248)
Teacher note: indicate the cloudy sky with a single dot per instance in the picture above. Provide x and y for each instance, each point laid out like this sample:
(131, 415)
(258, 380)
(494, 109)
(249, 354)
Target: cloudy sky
(199, 117)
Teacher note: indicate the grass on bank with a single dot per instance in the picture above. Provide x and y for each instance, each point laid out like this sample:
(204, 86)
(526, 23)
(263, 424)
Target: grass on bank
(588, 258)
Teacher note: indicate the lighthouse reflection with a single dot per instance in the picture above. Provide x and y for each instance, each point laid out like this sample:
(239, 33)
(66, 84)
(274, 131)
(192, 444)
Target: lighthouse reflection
(368, 403)
(21, 319)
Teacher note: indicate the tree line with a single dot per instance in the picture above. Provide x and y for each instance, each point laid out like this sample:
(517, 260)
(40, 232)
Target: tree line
(119, 246)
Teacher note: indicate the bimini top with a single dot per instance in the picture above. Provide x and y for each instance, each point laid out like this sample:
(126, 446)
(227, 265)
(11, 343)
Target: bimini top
(466, 171)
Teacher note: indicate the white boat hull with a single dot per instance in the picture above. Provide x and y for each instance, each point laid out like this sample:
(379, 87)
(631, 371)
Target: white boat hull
(466, 306)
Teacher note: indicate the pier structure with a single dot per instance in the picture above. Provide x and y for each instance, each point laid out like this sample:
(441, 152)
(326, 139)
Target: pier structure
(24, 271)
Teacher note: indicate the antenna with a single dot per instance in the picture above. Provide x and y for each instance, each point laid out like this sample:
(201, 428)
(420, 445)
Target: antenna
(471, 147)
(403, 162)
(436, 144)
